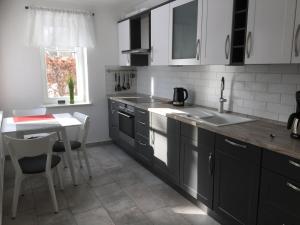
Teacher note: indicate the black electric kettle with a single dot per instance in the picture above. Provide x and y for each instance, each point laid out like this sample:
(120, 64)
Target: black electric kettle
(294, 119)
(180, 96)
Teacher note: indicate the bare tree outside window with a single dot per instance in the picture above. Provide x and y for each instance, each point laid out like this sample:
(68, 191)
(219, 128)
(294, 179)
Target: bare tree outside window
(60, 65)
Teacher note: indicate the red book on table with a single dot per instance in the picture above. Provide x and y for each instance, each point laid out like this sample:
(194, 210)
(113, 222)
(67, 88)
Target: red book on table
(18, 119)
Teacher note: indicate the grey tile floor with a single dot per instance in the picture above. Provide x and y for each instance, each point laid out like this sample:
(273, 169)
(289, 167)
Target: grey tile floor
(122, 192)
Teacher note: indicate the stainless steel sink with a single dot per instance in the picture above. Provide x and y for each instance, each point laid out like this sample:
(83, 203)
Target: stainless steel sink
(224, 119)
(214, 118)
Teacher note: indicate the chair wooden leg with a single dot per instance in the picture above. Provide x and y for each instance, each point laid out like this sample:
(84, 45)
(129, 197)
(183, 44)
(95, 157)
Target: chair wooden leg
(79, 158)
(86, 161)
(52, 191)
(17, 187)
(59, 170)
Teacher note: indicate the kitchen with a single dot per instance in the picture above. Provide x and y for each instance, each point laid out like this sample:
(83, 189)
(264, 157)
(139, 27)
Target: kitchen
(189, 102)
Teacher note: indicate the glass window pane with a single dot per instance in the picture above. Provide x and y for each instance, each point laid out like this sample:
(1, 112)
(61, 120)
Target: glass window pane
(60, 65)
(185, 31)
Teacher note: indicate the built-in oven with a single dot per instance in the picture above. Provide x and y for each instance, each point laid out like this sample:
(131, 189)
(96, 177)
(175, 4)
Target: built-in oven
(126, 124)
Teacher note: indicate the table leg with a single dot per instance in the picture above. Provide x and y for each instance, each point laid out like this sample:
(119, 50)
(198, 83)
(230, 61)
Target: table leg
(69, 156)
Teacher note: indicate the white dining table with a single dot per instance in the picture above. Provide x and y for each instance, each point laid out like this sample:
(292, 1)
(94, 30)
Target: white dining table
(59, 123)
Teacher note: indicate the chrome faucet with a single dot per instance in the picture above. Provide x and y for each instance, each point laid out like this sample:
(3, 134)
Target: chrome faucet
(222, 100)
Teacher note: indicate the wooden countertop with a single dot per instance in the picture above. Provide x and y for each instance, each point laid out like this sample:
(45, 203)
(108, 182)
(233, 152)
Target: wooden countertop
(256, 132)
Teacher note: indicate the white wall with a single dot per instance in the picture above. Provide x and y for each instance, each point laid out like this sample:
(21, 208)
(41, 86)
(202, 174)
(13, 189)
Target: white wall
(266, 91)
(20, 66)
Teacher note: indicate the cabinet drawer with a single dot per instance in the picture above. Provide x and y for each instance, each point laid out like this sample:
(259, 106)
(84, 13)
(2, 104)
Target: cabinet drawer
(241, 150)
(280, 199)
(143, 149)
(282, 164)
(189, 131)
(142, 116)
(164, 125)
(142, 129)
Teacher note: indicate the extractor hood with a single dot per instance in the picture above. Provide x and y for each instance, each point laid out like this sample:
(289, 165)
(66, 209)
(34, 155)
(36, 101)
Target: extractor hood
(139, 39)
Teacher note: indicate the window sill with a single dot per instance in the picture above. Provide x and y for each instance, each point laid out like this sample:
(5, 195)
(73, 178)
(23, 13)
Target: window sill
(67, 105)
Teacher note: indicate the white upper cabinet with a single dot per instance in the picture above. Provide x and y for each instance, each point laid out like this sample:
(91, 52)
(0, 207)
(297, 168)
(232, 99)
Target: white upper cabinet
(124, 42)
(296, 39)
(185, 32)
(217, 28)
(160, 18)
(270, 31)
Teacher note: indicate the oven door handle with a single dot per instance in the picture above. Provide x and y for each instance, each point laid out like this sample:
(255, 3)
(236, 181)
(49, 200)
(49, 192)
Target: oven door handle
(123, 114)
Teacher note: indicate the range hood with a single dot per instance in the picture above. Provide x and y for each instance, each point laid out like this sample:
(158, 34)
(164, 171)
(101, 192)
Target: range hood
(139, 39)
(141, 51)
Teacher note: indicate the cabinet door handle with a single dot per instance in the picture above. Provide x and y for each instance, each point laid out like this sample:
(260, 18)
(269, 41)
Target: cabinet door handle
(142, 123)
(153, 137)
(198, 49)
(151, 56)
(235, 144)
(141, 112)
(227, 46)
(296, 41)
(294, 163)
(249, 46)
(294, 187)
(141, 143)
(123, 114)
(210, 164)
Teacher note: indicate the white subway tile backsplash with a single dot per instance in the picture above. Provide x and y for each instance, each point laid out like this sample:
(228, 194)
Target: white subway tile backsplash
(283, 117)
(265, 91)
(236, 85)
(280, 108)
(242, 94)
(268, 77)
(244, 77)
(244, 110)
(255, 86)
(235, 69)
(265, 114)
(291, 78)
(266, 97)
(282, 88)
(283, 68)
(288, 99)
(257, 68)
(255, 104)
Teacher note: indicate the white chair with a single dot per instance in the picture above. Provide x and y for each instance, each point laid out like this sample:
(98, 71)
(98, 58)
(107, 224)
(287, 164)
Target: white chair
(30, 112)
(31, 157)
(78, 145)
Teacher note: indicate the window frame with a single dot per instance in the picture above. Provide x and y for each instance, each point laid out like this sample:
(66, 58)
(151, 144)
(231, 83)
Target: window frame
(81, 73)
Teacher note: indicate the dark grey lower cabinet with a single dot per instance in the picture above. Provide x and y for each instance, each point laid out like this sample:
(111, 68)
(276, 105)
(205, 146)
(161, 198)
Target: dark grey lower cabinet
(189, 154)
(279, 200)
(143, 151)
(165, 142)
(236, 181)
(113, 120)
(196, 163)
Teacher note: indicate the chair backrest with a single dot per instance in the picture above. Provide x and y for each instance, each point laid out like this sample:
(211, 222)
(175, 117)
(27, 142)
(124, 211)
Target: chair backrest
(20, 148)
(84, 128)
(29, 112)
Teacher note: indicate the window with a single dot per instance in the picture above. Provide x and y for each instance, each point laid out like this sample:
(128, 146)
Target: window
(59, 65)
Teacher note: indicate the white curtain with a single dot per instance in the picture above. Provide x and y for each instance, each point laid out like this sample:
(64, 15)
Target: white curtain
(54, 28)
